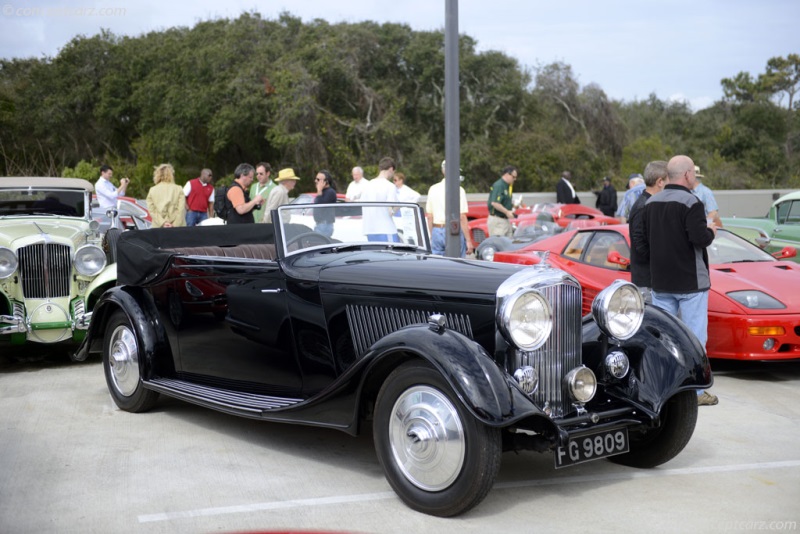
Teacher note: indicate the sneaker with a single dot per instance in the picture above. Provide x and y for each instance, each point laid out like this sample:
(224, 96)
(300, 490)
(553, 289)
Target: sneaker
(707, 399)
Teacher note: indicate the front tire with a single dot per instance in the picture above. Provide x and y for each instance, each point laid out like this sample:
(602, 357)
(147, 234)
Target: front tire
(121, 366)
(655, 446)
(436, 456)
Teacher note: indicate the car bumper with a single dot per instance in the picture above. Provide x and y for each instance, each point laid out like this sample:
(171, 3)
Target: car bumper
(45, 321)
(731, 337)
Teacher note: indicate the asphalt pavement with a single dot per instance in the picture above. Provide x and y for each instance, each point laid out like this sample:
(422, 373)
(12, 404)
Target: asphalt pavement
(70, 461)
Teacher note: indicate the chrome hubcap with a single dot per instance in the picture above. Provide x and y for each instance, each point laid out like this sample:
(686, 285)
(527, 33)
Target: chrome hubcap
(123, 360)
(427, 438)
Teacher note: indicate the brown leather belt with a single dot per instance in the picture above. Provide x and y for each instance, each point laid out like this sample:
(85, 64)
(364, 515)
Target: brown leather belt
(438, 226)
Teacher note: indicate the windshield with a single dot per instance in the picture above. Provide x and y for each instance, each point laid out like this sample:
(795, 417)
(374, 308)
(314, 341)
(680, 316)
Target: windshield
(542, 226)
(335, 225)
(730, 248)
(42, 202)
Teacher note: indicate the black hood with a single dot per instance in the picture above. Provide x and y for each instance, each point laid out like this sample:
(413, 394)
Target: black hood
(428, 274)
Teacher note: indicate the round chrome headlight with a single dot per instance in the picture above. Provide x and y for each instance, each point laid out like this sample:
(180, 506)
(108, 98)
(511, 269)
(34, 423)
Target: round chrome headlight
(582, 384)
(619, 310)
(8, 262)
(527, 319)
(89, 260)
(488, 253)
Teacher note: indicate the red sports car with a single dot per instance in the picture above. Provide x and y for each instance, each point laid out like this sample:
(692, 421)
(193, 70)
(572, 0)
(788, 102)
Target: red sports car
(565, 215)
(753, 305)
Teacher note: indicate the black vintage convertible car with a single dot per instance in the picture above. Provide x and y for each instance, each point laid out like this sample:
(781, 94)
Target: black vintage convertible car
(450, 362)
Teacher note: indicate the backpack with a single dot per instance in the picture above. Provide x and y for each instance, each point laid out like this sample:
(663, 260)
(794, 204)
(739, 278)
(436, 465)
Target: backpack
(221, 202)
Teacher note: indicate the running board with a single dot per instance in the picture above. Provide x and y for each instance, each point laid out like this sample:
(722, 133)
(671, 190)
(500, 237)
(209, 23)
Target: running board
(235, 402)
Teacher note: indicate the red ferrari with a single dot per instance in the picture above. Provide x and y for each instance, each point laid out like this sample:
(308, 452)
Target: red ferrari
(565, 215)
(753, 305)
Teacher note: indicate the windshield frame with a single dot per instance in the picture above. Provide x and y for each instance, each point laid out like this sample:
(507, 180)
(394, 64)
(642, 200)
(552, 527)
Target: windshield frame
(348, 234)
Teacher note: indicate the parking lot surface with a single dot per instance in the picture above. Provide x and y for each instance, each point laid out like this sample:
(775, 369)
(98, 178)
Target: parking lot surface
(72, 462)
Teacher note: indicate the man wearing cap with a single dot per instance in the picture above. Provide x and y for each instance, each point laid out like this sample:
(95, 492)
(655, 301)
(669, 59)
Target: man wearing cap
(706, 196)
(436, 215)
(501, 204)
(239, 198)
(607, 198)
(279, 195)
(635, 189)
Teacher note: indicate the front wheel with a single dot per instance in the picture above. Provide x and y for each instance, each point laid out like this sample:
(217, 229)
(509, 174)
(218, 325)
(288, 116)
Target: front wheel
(121, 366)
(436, 456)
(655, 446)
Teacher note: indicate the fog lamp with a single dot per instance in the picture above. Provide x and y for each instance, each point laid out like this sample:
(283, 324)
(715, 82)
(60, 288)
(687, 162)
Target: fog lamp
(582, 384)
(769, 344)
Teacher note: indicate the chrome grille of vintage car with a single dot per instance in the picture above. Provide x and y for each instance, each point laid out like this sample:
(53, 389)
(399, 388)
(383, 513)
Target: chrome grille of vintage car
(45, 270)
(561, 352)
(368, 324)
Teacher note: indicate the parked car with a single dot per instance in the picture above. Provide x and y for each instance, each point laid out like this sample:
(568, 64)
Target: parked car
(780, 228)
(565, 215)
(479, 209)
(451, 360)
(527, 231)
(136, 215)
(53, 260)
(752, 312)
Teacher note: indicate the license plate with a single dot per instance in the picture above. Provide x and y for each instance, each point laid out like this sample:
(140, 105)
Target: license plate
(592, 447)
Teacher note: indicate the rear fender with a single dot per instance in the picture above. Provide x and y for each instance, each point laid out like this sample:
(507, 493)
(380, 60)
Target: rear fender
(665, 357)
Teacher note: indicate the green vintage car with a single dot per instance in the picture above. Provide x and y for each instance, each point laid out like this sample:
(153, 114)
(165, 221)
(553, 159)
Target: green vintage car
(53, 265)
(779, 229)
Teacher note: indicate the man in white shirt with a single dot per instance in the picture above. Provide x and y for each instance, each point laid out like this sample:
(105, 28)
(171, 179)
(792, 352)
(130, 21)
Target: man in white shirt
(356, 188)
(435, 213)
(378, 223)
(107, 192)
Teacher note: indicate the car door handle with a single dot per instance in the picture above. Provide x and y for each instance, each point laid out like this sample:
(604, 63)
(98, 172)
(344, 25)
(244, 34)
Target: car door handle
(278, 290)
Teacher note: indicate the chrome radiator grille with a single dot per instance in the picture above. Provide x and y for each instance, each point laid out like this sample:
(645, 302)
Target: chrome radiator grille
(368, 324)
(45, 270)
(562, 351)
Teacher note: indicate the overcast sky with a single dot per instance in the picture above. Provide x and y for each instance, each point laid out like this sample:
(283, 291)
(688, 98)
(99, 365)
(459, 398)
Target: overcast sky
(678, 49)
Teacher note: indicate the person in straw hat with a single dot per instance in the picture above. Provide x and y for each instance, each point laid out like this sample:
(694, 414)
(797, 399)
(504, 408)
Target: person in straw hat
(279, 195)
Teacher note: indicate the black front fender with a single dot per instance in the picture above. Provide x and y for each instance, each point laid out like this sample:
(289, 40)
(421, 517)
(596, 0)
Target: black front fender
(484, 388)
(665, 356)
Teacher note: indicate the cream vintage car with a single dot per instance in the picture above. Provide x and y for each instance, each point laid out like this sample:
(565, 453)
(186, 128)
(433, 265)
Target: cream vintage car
(53, 265)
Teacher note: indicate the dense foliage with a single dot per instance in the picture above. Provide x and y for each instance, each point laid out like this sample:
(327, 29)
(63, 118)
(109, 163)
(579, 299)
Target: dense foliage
(315, 95)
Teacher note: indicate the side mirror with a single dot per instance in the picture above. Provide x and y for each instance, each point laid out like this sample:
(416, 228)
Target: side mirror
(785, 253)
(617, 259)
(762, 242)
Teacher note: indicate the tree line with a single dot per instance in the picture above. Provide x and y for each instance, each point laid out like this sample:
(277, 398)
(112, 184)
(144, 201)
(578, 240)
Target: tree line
(317, 96)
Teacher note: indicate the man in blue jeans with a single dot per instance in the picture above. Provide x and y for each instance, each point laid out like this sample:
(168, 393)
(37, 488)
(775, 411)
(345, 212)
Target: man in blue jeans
(676, 235)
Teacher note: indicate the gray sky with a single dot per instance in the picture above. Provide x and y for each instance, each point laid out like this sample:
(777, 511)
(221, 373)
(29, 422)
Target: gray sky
(678, 49)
